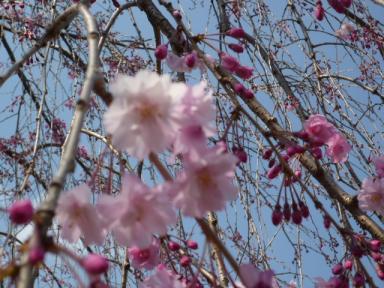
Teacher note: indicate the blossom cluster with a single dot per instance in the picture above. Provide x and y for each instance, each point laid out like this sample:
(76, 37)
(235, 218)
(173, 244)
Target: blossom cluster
(371, 196)
(150, 114)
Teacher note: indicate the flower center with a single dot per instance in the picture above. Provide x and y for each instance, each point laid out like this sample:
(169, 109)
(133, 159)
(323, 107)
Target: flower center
(376, 198)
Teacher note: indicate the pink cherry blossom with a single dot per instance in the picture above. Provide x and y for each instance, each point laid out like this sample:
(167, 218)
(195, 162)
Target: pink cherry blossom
(78, 217)
(161, 52)
(143, 109)
(251, 276)
(345, 30)
(206, 182)
(338, 148)
(319, 129)
(146, 258)
(379, 165)
(185, 63)
(236, 32)
(197, 115)
(137, 212)
(162, 279)
(371, 195)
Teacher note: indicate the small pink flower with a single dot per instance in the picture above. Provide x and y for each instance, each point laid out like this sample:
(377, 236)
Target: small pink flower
(192, 244)
(236, 33)
(78, 217)
(184, 63)
(345, 31)
(319, 129)
(143, 109)
(137, 212)
(163, 278)
(146, 258)
(197, 115)
(346, 3)
(206, 182)
(338, 148)
(229, 63)
(371, 195)
(191, 59)
(95, 264)
(21, 212)
(379, 165)
(253, 277)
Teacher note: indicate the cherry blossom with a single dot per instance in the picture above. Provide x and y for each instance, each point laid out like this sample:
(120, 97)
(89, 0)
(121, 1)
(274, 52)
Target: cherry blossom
(21, 212)
(137, 212)
(338, 148)
(146, 258)
(371, 195)
(163, 278)
(143, 109)
(253, 277)
(345, 30)
(78, 217)
(206, 182)
(379, 165)
(319, 129)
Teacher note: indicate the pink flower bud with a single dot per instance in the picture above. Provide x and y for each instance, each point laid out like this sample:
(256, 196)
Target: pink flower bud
(161, 52)
(21, 212)
(358, 280)
(244, 72)
(95, 264)
(296, 215)
(271, 162)
(228, 62)
(185, 261)
(36, 255)
(348, 264)
(236, 33)
(248, 94)
(267, 154)
(379, 272)
(376, 256)
(173, 246)
(337, 269)
(336, 4)
(319, 12)
(190, 59)
(346, 3)
(357, 251)
(236, 47)
(374, 245)
(287, 212)
(295, 149)
(274, 172)
(239, 88)
(304, 209)
(277, 215)
(192, 244)
(240, 154)
(327, 222)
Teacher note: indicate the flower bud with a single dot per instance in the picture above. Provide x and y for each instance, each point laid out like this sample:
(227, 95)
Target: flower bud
(374, 245)
(236, 47)
(36, 255)
(358, 279)
(277, 215)
(95, 264)
(296, 215)
(192, 244)
(319, 12)
(185, 261)
(304, 209)
(161, 52)
(267, 154)
(327, 222)
(236, 33)
(190, 59)
(337, 269)
(287, 212)
(173, 246)
(21, 212)
(274, 172)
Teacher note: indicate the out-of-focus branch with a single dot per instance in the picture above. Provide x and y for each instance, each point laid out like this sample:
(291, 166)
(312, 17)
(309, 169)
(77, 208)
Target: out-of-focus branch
(67, 164)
